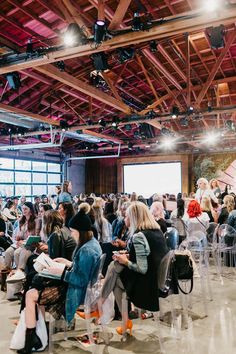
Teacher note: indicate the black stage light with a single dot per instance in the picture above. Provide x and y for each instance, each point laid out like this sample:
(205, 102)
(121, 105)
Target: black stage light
(183, 122)
(29, 47)
(115, 122)
(100, 61)
(102, 122)
(174, 112)
(216, 37)
(74, 35)
(125, 54)
(99, 31)
(137, 23)
(63, 124)
(165, 131)
(13, 80)
(153, 46)
(130, 146)
(61, 65)
(190, 110)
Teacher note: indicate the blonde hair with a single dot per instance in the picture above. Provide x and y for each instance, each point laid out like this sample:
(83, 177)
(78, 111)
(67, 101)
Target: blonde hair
(140, 218)
(206, 204)
(98, 202)
(157, 210)
(85, 207)
(133, 197)
(203, 180)
(229, 202)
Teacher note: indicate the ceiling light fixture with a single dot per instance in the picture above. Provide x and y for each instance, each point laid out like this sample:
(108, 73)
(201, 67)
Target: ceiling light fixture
(211, 5)
(153, 46)
(174, 112)
(100, 61)
(216, 37)
(99, 31)
(125, 54)
(211, 138)
(137, 23)
(167, 143)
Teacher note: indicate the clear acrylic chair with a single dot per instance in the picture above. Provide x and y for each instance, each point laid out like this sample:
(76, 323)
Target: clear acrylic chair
(92, 300)
(225, 244)
(172, 238)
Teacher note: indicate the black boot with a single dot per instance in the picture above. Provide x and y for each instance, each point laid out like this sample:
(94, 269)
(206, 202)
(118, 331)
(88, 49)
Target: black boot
(32, 340)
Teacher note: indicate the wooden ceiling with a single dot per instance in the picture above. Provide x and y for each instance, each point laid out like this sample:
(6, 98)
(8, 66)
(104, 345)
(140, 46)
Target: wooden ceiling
(139, 94)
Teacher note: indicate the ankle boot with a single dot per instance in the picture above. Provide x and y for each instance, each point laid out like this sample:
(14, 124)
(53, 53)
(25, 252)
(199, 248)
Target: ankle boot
(32, 340)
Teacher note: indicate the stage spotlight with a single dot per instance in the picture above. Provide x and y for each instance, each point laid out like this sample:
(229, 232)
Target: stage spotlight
(99, 31)
(100, 61)
(125, 54)
(128, 127)
(102, 122)
(216, 37)
(183, 122)
(137, 23)
(153, 46)
(63, 125)
(165, 131)
(167, 143)
(190, 110)
(61, 65)
(115, 122)
(130, 146)
(211, 138)
(229, 124)
(13, 80)
(211, 5)
(174, 112)
(29, 47)
(74, 35)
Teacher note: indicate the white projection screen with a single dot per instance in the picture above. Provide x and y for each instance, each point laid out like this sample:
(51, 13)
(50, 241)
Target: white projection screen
(147, 179)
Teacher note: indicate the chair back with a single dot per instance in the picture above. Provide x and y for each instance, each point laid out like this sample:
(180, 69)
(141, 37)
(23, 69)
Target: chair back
(172, 238)
(211, 232)
(226, 236)
(94, 287)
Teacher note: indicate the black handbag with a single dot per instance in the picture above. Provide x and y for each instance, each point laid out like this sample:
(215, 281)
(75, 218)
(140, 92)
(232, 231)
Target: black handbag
(182, 269)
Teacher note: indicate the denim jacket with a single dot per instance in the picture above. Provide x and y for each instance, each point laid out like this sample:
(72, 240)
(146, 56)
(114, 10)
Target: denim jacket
(83, 267)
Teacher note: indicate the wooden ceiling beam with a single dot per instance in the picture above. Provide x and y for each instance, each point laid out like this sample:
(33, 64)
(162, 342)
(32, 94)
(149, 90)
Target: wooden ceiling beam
(168, 29)
(80, 85)
(22, 112)
(119, 14)
(51, 7)
(207, 84)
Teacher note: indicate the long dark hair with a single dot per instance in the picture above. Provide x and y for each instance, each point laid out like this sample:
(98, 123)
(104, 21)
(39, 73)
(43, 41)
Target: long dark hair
(52, 221)
(69, 212)
(32, 219)
(180, 208)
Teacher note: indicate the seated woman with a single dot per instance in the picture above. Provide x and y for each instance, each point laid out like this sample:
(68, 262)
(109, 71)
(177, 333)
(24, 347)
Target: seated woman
(197, 221)
(66, 211)
(5, 241)
(207, 207)
(227, 208)
(176, 218)
(157, 211)
(69, 293)
(28, 225)
(136, 273)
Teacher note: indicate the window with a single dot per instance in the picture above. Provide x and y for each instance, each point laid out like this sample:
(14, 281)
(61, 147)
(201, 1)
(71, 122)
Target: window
(39, 178)
(6, 176)
(6, 164)
(23, 165)
(39, 166)
(29, 178)
(22, 177)
(54, 178)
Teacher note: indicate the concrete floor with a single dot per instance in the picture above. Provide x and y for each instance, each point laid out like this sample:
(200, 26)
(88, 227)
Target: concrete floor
(214, 334)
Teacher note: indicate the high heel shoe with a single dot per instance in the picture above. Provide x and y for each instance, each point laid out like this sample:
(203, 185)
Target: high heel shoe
(129, 325)
(89, 315)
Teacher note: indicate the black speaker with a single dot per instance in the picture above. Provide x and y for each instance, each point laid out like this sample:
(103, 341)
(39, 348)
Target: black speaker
(216, 37)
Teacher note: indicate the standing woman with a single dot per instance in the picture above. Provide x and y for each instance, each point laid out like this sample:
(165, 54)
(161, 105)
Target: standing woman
(69, 294)
(101, 224)
(136, 274)
(176, 218)
(215, 187)
(65, 195)
(204, 191)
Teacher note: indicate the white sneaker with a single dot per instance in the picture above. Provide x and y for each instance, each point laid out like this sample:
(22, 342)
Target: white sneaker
(18, 276)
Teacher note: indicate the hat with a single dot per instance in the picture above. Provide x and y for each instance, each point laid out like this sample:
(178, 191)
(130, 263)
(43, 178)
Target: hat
(81, 222)
(2, 225)
(30, 206)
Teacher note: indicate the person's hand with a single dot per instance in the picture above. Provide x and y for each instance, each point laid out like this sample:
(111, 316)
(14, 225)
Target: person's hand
(121, 243)
(55, 271)
(20, 242)
(43, 247)
(63, 261)
(121, 258)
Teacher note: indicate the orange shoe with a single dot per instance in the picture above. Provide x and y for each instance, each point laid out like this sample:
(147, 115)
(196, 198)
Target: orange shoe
(89, 315)
(129, 325)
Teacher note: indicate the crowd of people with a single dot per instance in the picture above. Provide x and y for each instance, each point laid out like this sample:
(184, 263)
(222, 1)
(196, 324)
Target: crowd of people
(75, 232)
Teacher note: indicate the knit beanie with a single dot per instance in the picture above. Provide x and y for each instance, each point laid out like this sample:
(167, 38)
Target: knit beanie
(81, 221)
(30, 206)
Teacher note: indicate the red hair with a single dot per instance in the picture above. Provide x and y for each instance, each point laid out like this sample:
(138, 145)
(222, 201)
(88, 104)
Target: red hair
(194, 209)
